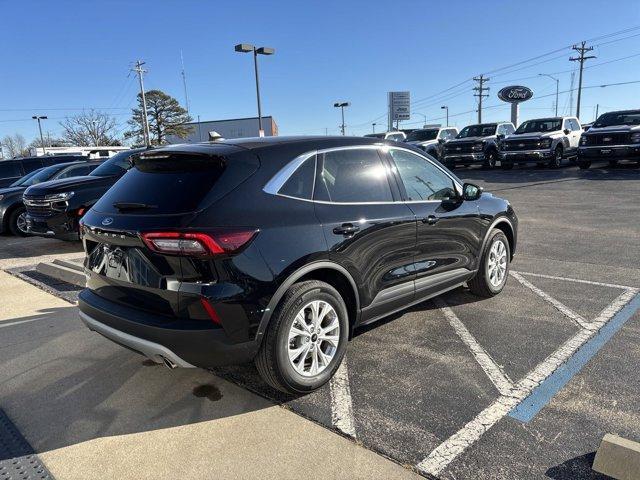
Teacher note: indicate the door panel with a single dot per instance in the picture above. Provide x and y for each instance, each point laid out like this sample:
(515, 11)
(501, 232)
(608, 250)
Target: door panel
(368, 233)
(449, 231)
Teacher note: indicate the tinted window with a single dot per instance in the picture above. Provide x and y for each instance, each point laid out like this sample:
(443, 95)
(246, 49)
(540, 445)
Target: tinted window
(10, 169)
(31, 164)
(422, 179)
(353, 176)
(422, 135)
(38, 176)
(116, 165)
(618, 118)
(541, 125)
(395, 136)
(77, 171)
(300, 184)
(509, 129)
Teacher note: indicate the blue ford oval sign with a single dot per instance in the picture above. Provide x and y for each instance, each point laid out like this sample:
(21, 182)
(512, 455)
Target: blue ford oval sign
(515, 94)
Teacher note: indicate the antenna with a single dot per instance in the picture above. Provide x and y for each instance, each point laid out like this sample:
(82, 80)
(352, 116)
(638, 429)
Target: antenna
(184, 82)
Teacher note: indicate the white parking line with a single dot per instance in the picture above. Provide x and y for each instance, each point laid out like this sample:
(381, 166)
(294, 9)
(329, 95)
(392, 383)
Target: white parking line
(19, 322)
(488, 364)
(341, 404)
(451, 448)
(566, 311)
(588, 282)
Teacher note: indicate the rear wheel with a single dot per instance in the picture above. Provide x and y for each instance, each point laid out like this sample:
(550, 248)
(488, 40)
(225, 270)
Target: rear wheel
(494, 266)
(18, 222)
(583, 164)
(306, 338)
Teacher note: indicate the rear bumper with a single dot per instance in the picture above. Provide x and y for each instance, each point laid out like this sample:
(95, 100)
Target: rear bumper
(184, 343)
(525, 156)
(612, 152)
(62, 226)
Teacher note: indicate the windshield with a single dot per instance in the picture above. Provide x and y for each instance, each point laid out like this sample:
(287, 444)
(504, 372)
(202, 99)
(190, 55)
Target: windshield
(115, 166)
(422, 135)
(37, 176)
(478, 130)
(540, 125)
(618, 118)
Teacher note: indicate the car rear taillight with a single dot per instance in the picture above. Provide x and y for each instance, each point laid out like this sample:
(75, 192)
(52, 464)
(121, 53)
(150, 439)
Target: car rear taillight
(198, 243)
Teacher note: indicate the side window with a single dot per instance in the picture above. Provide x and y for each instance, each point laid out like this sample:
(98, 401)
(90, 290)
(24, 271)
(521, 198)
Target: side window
(567, 125)
(452, 133)
(509, 129)
(10, 170)
(74, 172)
(352, 176)
(576, 125)
(31, 164)
(300, 183)
(422, 179)
(443, 135)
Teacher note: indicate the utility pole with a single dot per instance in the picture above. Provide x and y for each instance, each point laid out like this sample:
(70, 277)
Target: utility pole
(582, 49)
(480, 89)
(373, 125)
(145, 120)
(341, 106)
(597, 109)
(444, 107)
(573, 79)
(38, 118)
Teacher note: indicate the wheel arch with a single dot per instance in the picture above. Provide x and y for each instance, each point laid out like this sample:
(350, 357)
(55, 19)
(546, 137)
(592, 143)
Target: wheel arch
(505, 225)
(328, 272)
(6, 215)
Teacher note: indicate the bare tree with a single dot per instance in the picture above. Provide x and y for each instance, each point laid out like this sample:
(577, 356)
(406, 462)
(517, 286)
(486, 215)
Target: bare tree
(89, 129)
(14, 146)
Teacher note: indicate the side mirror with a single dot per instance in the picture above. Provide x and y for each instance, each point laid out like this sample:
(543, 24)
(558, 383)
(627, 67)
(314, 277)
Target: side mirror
(441, 140)
(471, 192)
(566, 131)
(500, 136)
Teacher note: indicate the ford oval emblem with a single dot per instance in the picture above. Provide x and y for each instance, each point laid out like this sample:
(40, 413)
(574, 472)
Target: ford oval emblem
(107, 221)
(515, 94)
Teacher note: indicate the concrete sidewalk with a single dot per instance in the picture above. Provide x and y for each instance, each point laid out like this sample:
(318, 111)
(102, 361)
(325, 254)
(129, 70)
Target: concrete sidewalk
(91, 409)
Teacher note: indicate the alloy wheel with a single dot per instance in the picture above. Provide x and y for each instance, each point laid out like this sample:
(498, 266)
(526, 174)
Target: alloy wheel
(21, 222)
(497, 263)
(313, 338)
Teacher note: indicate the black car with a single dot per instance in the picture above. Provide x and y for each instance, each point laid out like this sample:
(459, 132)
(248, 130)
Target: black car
(13, 170)
(54, 208)
(276, 249)
(476, 144)
(613, 136)
(12, 210)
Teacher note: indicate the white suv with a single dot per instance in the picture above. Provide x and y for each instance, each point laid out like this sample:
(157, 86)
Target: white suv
(432, 139)
(394, 135)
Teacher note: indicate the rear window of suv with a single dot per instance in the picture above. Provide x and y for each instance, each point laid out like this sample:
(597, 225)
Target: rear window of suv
(177, 182)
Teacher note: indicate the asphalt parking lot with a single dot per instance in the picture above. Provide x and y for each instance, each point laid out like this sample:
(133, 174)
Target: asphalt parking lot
(523, 385)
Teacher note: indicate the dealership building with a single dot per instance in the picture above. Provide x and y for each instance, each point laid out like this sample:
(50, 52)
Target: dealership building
(232, 128)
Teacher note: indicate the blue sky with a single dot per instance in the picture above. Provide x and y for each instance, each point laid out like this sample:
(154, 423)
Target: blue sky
(59, 57)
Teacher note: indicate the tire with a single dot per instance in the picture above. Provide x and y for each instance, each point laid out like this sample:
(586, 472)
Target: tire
(490, 159)
(17, 224)
(481, 284)
(584, 164)
(272, 360)
(556, 161)
(506, 165)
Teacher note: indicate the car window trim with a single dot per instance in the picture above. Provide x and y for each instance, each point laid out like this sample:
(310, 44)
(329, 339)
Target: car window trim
(276, 182)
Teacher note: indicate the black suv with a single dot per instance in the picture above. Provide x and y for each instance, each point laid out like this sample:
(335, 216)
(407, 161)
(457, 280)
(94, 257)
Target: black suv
(614, 136)
(276, 249)
(54, 208)
(12, 211)
(476, 144)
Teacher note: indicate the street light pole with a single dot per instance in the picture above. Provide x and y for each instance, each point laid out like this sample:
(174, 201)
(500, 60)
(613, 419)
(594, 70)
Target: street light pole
(38, 118)
(446, 107)
(341, 105)
(373, 125)
(423, 116)
(244, 48)
(557, 87)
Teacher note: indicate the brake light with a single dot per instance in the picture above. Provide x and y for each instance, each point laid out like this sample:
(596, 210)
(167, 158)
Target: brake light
(198, 243)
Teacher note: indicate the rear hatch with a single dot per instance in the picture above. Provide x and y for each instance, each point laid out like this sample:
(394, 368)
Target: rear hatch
(163, 191)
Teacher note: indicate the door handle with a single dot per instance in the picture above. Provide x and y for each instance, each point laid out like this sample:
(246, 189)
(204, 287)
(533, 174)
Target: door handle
(346, 229)
(430, 220)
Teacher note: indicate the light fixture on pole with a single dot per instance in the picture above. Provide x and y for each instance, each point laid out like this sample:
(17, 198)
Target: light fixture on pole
(446, 107)
(245, 48)
(424, 117)
(373, 126)
(557, 87)
(39, 118)
(341, 106)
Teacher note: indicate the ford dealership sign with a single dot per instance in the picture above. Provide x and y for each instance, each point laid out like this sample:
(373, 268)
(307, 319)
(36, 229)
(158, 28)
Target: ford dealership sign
(515, 94)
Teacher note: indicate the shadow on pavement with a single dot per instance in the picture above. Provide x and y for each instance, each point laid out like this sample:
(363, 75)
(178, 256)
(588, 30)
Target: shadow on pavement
(578, 467)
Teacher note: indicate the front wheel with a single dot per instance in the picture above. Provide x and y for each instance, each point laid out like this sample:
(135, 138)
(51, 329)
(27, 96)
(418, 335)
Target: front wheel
(18, 222)
(494, 266)
(305, 340)
(584, 164)
(490, 159)
(556, 161)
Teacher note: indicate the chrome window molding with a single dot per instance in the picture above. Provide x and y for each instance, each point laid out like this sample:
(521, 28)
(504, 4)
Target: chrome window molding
(276, 182)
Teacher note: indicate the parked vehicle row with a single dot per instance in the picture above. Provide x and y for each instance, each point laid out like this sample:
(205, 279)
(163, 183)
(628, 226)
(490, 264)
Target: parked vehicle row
(543, 141)
(13, 170)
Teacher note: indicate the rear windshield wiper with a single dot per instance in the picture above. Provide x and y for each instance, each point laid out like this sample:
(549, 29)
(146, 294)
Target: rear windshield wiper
(132, 206)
